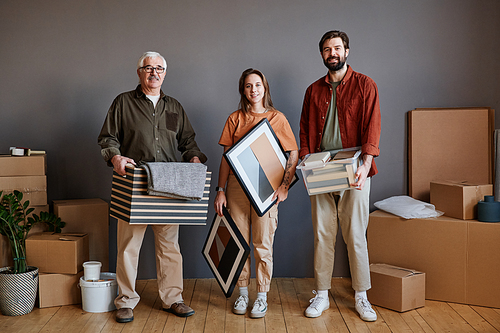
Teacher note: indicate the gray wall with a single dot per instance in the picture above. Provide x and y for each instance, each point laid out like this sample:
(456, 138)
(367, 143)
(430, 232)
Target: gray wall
(63, 62)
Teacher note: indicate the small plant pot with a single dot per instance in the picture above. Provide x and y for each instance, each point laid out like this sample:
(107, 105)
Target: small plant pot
(18, 291)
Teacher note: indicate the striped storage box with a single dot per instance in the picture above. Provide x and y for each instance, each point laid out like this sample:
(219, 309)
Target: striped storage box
(130, 202)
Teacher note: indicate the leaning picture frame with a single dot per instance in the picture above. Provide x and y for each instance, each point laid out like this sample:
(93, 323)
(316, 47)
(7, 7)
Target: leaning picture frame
(258, 161)
(225, 251)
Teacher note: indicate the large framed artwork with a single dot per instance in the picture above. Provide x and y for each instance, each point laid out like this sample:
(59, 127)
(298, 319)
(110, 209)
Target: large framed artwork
(225, 251)
(258, 162)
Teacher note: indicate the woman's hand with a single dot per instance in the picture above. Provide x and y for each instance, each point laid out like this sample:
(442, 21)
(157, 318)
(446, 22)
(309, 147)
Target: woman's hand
(219, 202)
(281, 194)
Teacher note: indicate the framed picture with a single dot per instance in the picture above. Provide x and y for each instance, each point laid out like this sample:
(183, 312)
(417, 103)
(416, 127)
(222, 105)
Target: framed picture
(225, 251)
(258, 162)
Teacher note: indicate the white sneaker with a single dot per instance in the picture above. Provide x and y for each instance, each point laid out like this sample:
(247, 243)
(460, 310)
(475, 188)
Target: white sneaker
(259, 308)
(365, 310)
(241, 305)
(317, 306)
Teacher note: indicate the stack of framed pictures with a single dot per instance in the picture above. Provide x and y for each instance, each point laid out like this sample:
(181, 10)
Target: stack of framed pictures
(323, 175)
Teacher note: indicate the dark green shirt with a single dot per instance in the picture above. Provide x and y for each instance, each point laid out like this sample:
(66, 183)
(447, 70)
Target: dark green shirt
(136, 129)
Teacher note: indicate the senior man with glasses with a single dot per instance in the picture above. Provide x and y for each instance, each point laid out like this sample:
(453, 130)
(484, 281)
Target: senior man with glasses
(145, 125)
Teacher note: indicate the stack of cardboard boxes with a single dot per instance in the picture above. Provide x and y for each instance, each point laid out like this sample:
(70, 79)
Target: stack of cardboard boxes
(60, 257)
(450, 165)
(27, 175)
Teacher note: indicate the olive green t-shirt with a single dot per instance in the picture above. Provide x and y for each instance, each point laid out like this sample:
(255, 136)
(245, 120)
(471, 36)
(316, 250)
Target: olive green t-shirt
(331, 133)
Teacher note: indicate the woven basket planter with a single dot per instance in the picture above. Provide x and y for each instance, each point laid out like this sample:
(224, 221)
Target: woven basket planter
(18, 291)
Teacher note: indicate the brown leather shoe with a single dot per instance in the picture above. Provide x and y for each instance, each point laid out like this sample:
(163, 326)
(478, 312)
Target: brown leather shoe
(180, 309)
(124, 315)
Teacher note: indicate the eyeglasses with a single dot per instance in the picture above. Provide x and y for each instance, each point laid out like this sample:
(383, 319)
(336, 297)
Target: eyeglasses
(150, 69)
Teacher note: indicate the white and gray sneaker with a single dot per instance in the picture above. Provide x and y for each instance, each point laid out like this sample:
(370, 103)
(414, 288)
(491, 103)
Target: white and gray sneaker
(365, 310)
(259, 308)
(317, 306)
(241, 305)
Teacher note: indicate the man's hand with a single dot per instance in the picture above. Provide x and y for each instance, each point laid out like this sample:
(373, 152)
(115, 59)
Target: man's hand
(195, 159)
(362, 172)
(119, 163)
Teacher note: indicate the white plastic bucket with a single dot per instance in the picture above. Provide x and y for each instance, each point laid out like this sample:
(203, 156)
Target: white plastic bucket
(99, 296)
(91, 270)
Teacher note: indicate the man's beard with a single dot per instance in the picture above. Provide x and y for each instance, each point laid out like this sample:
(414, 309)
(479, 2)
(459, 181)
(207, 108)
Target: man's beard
(334, 67)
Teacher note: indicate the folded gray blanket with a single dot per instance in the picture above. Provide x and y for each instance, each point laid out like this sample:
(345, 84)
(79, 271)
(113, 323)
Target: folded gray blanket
(176, 180)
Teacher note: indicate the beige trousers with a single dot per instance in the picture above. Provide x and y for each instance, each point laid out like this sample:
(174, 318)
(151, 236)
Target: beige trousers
(262, 230)
(168, 263)
(350, 210)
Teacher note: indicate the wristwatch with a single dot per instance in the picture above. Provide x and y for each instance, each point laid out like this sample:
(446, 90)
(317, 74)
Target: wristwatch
(219, 189)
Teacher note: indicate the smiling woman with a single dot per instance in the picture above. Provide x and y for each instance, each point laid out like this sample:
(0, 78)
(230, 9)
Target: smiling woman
(254, 92)
(256, 108)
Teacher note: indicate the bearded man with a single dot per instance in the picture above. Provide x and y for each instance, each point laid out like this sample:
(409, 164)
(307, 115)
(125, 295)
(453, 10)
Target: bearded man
(341, 110)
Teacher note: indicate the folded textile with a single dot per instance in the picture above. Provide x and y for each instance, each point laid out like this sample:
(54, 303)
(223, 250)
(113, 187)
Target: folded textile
(408, 208)
(176, 180)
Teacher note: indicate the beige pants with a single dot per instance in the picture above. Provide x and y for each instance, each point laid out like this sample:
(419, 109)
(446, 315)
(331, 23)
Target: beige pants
(168, 263)
(262, 230)
(350, 210)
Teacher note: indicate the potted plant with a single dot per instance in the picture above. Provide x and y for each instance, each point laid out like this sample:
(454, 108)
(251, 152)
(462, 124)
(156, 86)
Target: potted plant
(21, 279)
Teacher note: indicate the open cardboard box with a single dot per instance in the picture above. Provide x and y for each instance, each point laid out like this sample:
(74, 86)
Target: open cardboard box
(131, 202)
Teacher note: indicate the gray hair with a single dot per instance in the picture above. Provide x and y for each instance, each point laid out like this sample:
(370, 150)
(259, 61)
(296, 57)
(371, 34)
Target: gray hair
(150, 54)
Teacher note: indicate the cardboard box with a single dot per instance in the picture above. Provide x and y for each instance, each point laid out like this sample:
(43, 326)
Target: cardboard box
(34, 188)
(483, 264)
(35, 165)
(459, 257)
(452, 143)
(396, 288)
(458, 199)
(58, 289)
(333, 175)
(90, 216)
(130, 202)
(62, 253)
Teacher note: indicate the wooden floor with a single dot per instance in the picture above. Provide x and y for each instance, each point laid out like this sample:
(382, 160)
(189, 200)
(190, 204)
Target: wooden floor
(287, 300)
